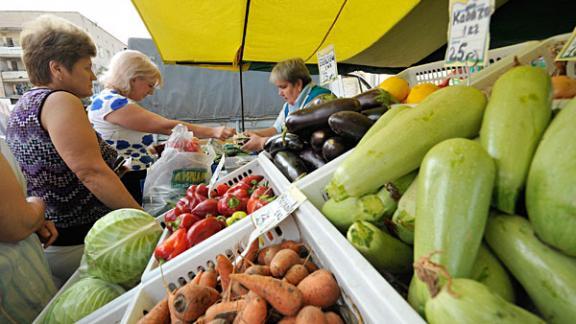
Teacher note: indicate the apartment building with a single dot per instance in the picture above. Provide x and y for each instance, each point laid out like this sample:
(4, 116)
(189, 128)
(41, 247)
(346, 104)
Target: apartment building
(13, 77)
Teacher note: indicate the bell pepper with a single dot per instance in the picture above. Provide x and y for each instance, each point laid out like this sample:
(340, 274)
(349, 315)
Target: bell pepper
(203, 229)
(229, 204)
(171, 247)
(182, 206)
(252, 180)
(220, 190)
(206, 208)
(187, 220)
(261, 196)
(235, 217)
(202, 189)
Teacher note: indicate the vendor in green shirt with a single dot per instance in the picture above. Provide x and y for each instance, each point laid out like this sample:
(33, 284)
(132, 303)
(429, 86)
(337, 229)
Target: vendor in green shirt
(295, 86)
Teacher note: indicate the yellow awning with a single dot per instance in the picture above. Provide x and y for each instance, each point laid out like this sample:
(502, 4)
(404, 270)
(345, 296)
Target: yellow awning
(210, 32)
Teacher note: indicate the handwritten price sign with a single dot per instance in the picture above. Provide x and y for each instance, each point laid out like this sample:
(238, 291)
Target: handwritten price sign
(327, 67)
(468, 32)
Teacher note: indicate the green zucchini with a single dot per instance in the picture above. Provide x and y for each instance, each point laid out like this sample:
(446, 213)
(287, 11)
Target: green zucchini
(469, 301)
(399, 148)
(343, 213)
(548, 276)
(453, 200)
(488, 271)
(384, 252)
(392, 192)
(516, 116)
(551, 185)
(404, 217)
(383, 121)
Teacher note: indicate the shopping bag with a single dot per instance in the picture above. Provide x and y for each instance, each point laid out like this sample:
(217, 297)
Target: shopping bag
(183, 163)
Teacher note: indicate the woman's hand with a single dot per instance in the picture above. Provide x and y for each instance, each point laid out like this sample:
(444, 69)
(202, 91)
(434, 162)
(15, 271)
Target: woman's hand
(255, 144)
(223, 133)
(47, 233)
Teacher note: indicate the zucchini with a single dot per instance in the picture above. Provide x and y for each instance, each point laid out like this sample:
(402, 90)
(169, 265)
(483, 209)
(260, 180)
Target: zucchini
(516, 116)
(281, 142)
(350, 124)
(383, 121)
(392, 192)
(383, 251)
(551, 185)
(374, 98)
(343, 213)
(404, 217)
(317, 116)
(453, 200)
(399, 148)
(469, 301)
(290, 165)
(548, 276)
(488, 271)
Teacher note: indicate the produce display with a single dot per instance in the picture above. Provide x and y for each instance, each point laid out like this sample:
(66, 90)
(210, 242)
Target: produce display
(278, 283)
(197, 216)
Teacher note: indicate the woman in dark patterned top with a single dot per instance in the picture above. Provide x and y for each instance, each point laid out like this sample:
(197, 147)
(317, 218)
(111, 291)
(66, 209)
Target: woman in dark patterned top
(63, 160)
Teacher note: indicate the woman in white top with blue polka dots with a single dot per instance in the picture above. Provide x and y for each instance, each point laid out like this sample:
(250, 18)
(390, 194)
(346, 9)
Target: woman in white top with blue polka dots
(127, 126)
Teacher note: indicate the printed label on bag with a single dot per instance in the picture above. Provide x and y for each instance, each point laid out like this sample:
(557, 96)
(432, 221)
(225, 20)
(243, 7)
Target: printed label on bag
(183, 178)
(468, 32)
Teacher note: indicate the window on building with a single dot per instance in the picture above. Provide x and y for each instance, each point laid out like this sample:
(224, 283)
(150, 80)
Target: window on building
(9, 42)
(13, 65)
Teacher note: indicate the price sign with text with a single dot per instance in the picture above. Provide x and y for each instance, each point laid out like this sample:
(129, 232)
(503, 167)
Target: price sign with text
(327, 67)
(216, 175)
(568, 52)
(468, 32)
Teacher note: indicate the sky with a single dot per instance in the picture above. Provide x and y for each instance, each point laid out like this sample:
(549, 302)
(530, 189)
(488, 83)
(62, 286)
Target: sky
(118, 17)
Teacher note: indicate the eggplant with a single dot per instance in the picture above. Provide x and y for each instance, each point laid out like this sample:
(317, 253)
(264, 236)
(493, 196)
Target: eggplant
(317, 116)
(311, 158)
(334, 147)
(374, 113)
(281, 142)
(374, 98)
(319, 137)
(325, 97)
(290, 165)
(350, 124)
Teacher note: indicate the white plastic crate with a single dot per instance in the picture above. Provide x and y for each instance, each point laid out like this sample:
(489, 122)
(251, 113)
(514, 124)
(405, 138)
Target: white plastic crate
(368, 297)
(109, 313)
(436, 72)
(259, 166)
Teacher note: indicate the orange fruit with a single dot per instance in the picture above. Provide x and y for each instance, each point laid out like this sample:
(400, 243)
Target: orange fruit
(419, 92)
(396, 86)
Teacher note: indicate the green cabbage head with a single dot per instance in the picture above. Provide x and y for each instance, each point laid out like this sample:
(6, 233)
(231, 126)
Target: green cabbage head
(119, 245)
(81, 299)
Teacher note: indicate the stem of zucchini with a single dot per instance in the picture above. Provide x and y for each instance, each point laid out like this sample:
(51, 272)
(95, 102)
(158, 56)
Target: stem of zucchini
(429, 272)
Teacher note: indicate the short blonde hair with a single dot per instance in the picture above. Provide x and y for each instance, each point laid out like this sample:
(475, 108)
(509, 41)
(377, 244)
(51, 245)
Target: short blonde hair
(291, 70)
(50, 38)
(127, 65)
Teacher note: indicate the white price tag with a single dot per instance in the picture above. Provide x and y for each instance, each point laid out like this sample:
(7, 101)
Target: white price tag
(327, 67)
(468, 32)
(269, 216)
(216, 175)
(568, 52)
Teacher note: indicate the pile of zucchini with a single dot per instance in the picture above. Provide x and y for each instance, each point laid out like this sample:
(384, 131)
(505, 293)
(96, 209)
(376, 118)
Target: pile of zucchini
(464, 196)
(325, 130)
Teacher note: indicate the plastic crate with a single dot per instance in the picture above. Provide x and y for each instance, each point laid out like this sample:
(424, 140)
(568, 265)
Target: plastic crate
(109, 313)
(368, 297)
(436, 72)
(259, 166)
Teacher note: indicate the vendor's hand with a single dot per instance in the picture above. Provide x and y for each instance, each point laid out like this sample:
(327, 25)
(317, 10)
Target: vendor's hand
(47, 233)
(223, 133)
(255, 144)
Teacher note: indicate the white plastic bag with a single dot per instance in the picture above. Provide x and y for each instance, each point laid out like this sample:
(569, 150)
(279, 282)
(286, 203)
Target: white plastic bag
(182, 164)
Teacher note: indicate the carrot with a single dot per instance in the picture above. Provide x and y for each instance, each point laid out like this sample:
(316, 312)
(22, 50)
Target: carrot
(333, 318)
(310, 315)
(288, 320)
(217, 321)
(191, 301)
(236, 290)
(283, 296)
(209, 278)
(319, 289)
(259, 270)
(266, 254)
(255, 310)
(309, 265)
(283, 260)
(226, 310)
(158, 314)
(250, 256)
(196, 279)
(296, 273)
(224, 268)
(293, 245)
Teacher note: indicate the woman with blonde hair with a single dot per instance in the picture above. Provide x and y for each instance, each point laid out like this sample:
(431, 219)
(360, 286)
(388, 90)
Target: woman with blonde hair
(127, 126)
(63, 160)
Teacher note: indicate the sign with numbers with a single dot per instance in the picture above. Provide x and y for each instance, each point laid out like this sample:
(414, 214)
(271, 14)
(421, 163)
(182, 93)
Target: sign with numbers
(468, 32)
(568, 52)
(327, 67)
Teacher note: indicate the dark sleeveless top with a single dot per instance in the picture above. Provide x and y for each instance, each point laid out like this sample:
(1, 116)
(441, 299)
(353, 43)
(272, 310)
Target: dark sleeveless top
(69, 204)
